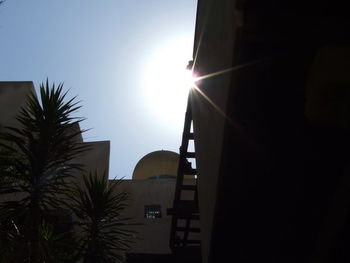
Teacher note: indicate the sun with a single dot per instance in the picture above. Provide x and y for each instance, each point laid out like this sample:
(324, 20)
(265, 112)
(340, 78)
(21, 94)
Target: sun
(167, 82)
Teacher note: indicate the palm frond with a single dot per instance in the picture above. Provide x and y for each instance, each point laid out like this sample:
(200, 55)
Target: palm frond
(98, 206)
(36, 159)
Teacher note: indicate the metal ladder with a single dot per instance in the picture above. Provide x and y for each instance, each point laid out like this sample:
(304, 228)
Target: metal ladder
(185, 230)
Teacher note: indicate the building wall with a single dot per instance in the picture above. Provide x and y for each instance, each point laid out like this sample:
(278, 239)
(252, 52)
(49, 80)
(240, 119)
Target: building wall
(152, 234)
(13, 96)
(12, 99)
(270, 162)
(96, 158)
(213, 52)
(158, 163)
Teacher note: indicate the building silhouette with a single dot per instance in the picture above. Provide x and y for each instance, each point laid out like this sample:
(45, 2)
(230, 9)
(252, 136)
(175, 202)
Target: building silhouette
(271, 131)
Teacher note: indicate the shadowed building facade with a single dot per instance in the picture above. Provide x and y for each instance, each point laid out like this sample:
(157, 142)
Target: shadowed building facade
(271, 130)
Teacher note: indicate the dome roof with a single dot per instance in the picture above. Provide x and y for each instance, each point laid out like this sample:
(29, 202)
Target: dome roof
(157, 164)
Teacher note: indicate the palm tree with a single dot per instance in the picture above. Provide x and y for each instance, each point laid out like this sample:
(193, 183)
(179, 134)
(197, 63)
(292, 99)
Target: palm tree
(35, 162)
(102, 235)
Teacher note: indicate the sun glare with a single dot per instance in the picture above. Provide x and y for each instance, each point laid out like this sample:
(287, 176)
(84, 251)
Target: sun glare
(167, 82)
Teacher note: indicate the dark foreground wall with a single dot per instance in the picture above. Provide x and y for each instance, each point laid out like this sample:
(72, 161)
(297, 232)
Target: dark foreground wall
(283, 187)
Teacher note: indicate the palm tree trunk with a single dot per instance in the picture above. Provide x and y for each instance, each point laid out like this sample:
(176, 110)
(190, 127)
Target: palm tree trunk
(34, 232)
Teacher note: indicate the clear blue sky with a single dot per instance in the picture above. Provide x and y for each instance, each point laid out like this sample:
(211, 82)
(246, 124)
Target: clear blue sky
(102, 51)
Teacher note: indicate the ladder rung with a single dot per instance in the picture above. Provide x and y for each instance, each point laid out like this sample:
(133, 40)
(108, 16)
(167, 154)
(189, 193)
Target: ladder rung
(190, 171)
(181, 215)
(181, 241)
(192, 241)
(188, 250)
(192, 217)
(188, 204)
(190, 155)
(184, 211)
(191, 229)
(188, 187)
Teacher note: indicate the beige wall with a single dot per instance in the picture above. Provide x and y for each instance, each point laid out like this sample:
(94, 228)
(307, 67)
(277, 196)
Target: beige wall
(13, 96)
(153, 234)
(12, 99)
(155, 164)
(96, 158)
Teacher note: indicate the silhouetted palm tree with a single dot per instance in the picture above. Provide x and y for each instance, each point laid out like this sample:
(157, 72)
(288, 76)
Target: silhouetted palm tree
(35, 163)
(102, 234)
